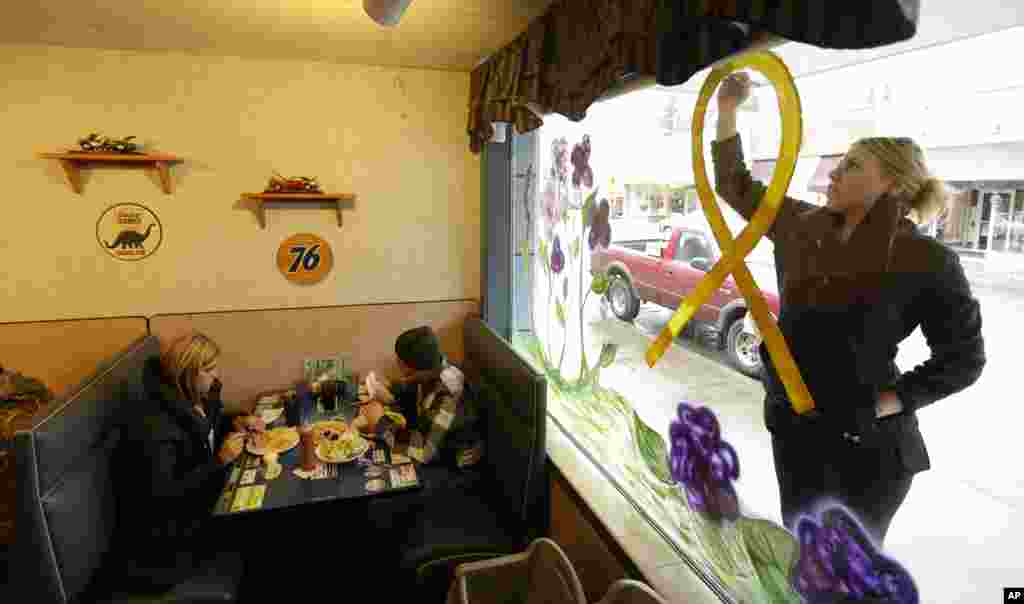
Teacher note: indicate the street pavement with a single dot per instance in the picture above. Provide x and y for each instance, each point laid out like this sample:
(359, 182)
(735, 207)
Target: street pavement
(960, 529)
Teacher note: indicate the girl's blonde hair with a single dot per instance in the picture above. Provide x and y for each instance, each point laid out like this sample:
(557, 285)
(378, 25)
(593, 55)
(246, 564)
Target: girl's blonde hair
(184, 358)
(903, 160)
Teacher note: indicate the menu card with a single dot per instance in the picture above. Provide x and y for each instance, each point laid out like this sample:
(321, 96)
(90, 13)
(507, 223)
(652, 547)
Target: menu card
(334, 368)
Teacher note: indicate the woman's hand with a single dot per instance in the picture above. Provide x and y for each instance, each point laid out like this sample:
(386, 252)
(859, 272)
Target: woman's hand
(888, 403)
(248, 423)
(733, 92)
(232, 448)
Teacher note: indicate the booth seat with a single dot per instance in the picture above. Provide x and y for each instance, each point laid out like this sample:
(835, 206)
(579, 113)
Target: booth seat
(66, 479)
(501, 505)
(67, 505)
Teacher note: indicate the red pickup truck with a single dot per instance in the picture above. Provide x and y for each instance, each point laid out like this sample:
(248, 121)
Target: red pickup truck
(639, 273)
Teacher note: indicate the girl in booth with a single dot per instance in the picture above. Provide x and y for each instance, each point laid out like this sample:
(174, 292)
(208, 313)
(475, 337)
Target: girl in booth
(182, 447)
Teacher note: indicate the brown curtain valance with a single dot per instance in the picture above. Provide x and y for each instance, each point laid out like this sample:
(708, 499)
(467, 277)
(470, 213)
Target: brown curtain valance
(562, 63)
(580, 49)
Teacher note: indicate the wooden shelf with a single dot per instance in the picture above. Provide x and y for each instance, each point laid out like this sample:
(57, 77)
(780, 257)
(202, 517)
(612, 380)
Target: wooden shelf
(72, 161)
(335, 198)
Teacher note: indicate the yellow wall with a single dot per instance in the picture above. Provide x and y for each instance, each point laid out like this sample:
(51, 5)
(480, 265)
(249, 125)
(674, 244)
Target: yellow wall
(395, 137)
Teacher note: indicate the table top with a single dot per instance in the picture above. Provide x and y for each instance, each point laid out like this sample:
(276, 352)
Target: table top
(247, 489)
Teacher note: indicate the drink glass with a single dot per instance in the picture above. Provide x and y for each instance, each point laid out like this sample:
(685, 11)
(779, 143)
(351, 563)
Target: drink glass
(329, 395)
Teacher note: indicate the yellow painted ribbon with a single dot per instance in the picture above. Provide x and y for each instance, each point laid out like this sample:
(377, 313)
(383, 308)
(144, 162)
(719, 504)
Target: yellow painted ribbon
(735, 250)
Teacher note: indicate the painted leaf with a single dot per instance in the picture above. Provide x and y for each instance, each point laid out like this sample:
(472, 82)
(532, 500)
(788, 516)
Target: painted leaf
(544, 256)
(652, 449)
(607, 357)
(599, 284)
(774, 551)
(574, 249)
(560, 312)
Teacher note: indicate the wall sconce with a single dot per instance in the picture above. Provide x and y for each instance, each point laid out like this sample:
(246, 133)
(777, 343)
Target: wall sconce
(386, 12)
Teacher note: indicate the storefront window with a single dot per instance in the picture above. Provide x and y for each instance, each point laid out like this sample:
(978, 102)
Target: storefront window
(616, 246)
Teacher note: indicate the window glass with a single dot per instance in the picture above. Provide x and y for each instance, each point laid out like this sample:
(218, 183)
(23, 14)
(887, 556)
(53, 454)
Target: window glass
(612, 187)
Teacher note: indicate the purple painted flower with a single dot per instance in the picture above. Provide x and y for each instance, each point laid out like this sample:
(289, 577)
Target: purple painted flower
(557, 256)
(554, 209)
(581, 172)
(600, 229)
(705, 464)
(838, 560)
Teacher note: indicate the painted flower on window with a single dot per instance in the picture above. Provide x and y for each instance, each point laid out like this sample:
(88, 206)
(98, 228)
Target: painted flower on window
(600, 228)
(554, 209)
(581, 172)
(557, 256)
(559, 159)
(838, 558)
(705, 464)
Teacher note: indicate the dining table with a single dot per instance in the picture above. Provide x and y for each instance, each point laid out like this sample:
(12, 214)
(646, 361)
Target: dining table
(252, 485)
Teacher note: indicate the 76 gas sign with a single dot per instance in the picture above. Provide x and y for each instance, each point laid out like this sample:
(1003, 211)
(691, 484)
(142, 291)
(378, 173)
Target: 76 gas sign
(304, 258)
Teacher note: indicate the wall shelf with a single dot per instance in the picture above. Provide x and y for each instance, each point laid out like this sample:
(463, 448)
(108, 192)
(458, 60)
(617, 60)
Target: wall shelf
(261, 198)
(72, 163)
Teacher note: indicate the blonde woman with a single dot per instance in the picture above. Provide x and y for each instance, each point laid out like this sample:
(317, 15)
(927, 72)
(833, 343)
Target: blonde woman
(184, 445)
(855, 279)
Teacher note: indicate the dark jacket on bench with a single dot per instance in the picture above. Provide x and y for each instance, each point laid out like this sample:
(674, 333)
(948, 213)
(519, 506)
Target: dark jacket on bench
(177, 478)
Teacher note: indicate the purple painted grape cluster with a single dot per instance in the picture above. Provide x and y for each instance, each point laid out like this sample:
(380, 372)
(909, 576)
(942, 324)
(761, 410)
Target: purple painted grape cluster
(582, 174)
(705, 464)
(837, 559)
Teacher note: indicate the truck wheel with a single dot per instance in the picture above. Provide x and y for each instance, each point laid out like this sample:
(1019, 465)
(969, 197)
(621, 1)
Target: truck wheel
(622, 299)
(741, 347)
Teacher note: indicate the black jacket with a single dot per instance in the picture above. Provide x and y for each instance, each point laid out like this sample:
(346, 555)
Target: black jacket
(846, 306)
(176, 478)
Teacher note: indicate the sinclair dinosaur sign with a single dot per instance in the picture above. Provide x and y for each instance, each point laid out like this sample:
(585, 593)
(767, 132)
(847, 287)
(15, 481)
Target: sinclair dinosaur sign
(129, 231)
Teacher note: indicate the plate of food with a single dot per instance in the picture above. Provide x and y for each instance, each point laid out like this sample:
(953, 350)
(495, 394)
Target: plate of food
(328, 429)
(342, 447)
(277, 440)
(270, 415)
(361, 425)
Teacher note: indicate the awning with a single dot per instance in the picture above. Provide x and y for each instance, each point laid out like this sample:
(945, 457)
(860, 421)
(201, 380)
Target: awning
(978, 163)
(820, 181)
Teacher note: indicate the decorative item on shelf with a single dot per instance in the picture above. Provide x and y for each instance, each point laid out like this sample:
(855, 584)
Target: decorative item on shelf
(100, 143)
(97, 148)
(296, 189)
(295, 184)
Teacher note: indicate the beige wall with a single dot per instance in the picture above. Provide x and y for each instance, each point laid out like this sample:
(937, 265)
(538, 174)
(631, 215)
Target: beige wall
(394, 137)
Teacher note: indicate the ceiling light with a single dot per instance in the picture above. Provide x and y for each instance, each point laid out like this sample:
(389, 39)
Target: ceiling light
(386, 12)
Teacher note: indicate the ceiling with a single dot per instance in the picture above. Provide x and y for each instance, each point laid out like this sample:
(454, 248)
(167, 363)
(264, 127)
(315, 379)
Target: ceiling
(433, 34)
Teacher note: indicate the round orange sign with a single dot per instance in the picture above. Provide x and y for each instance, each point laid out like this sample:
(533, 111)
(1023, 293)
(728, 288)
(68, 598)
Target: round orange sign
(304, 259)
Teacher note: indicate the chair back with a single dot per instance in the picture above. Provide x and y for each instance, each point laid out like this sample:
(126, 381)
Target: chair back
(551, 576)
(627, 591)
